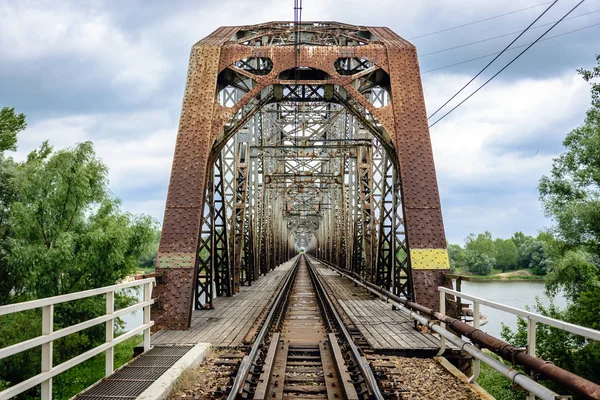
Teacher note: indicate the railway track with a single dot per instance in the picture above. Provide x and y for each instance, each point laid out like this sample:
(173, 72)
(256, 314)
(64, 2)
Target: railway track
(303, 349)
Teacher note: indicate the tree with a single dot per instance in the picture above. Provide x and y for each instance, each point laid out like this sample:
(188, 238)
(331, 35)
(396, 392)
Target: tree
(518, 238)
(482, 243)
(506, 254)
(10, 125)
(570, 196)
(456, 255)
(571, 193)
(61, 231)
(478, 263)
(532, 254)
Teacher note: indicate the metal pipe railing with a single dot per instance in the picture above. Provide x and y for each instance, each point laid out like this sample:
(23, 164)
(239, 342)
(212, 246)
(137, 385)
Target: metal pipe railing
(505, 350)
(46, 340)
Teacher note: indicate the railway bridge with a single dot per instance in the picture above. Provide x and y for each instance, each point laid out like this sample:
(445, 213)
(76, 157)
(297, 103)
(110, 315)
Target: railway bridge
(303, 238)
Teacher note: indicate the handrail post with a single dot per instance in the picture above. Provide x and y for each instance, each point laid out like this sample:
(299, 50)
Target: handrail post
(47, 348)
(476, 363)
(531, 343)
(110, 333)
(147, 297)
(442, 311)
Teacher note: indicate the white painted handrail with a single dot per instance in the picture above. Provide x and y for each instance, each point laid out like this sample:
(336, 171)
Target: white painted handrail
(532, 320)
(555, 323)
(46, 341)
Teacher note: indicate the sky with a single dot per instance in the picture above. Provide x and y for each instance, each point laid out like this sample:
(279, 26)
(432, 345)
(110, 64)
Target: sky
(113, 72)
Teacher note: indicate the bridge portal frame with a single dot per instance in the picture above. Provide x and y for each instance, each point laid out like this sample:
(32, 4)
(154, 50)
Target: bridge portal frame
(205, 127)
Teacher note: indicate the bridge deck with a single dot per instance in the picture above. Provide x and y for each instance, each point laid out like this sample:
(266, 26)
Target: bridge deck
(385, 329)
(230, 323)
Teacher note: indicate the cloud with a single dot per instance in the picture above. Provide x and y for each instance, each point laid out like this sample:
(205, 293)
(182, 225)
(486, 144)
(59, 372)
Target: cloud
(487, 152)
(137, 148)
(34, 31)
(114, 73)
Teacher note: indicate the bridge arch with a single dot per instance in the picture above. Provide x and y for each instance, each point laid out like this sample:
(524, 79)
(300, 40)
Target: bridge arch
(398, 123)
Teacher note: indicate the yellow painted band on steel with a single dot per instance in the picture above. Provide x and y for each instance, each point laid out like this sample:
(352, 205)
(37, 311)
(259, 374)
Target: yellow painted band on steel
(429, 259)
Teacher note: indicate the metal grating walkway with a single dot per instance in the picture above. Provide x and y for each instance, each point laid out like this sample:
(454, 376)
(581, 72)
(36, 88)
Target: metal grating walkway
(132, 379)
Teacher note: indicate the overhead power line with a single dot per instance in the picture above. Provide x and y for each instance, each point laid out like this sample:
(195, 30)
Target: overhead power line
(478, 21)
(495, 58)
(511, 49)
(510, 63)
(503, 35)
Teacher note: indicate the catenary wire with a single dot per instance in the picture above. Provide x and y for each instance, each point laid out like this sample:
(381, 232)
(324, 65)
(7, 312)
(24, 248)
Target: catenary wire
(503, 35)
(494, 59)
(478, 21)
(507, 65)
(514, 48)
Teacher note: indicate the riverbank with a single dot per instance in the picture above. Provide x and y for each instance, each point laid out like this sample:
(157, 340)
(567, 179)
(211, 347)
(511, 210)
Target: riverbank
(522, 275)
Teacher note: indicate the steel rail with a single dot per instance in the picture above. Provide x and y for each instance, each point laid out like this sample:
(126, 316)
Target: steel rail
(363, 364)
(247, 361)
(505, 350)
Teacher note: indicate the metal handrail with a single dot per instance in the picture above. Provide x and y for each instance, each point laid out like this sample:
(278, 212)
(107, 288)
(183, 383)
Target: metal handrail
(555, 323)
(46, 340)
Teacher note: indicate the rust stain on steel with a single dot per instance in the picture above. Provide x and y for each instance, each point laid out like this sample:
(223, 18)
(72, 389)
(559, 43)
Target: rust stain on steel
(201, 134)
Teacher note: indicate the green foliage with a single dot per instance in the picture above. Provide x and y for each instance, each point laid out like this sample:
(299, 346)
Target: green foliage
(10, 125)
(61, 231)
(478, 263)
(571, 193)
(518, 238)
(574, 273)
(568, 351)
(571, 197)
(532, 254)
(496, 384)
(456, 256)
(589, 76)
(506, 254)
(482, 243)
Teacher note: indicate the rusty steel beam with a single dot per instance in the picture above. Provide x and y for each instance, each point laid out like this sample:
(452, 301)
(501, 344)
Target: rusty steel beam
(362, 83)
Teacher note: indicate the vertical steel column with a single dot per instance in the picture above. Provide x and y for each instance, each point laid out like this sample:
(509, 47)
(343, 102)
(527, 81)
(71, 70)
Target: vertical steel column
(403, 277)
(241, 187)
(220, 244)
(365, 176)
(386, 247)
(205, 272)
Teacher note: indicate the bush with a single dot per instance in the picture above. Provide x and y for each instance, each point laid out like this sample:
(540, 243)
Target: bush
(479, 263)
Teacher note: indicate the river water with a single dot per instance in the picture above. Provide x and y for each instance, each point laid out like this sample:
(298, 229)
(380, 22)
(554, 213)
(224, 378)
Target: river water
(511, 293)
(516, 294)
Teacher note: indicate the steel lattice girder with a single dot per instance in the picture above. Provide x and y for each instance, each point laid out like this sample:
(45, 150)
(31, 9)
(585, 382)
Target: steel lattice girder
(340, 64)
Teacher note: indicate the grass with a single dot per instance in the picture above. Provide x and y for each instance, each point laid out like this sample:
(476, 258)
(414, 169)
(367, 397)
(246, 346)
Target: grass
(498, 385)
(82, 376)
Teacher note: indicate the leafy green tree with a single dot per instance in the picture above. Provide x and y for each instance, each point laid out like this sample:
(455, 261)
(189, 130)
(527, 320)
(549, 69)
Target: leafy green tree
(478, 263)
(571, 193)
(506, 254)
(518, 238)
(10, 125)
(532, 254)
(571, 197)
(456, 255)
(482, 243)
(61, 231)
(559, 347)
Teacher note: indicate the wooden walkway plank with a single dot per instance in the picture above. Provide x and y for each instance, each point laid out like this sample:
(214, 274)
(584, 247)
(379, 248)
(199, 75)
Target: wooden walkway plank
(232, 317)
(382, 327)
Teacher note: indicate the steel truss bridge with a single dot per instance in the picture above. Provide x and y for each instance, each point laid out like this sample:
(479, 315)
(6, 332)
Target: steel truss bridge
(302, 234)
(309, 137)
